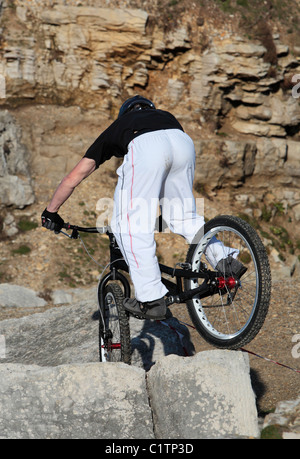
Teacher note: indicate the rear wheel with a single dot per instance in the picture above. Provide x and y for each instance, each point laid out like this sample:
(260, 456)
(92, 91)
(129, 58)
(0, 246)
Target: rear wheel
(234, 312)
(114, 331)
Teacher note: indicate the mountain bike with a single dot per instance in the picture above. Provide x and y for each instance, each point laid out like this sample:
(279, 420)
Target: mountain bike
(228, 312)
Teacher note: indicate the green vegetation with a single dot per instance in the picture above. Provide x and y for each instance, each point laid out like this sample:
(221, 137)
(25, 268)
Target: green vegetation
(27, 225)
(253, 16)
(271, 226)
(272, 432)
(81, 271)
(243, 3)
(226, 6)
(266, 214)
(279, 207)
(66, 277)
(245, 257)
(22, 250)
(271, 9)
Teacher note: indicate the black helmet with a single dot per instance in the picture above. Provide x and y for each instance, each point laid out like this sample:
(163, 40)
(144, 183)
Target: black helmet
(140, 101)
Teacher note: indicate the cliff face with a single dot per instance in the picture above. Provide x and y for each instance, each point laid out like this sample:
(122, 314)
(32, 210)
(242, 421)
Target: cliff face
(228, 74)
(93, 56)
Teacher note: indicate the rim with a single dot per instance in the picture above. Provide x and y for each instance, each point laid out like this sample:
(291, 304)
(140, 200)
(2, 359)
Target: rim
(226, 314)
(103, 351)
(111, 348)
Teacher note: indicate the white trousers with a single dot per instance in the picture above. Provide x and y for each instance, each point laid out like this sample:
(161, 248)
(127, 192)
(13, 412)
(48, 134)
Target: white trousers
(157, 170)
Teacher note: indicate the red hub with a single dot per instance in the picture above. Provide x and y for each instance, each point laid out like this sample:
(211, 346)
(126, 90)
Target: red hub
(230, 282)
(112, 346)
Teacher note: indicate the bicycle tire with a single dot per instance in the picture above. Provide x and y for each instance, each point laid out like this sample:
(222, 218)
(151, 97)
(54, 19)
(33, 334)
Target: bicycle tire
(254, 287)
(114, 330)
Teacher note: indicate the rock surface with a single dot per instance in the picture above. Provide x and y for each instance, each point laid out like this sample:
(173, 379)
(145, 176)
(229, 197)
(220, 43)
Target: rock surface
(15, 181)
(49, 367)
(287, 416)
(74, 402)
(50, 382)
(20, 297)
(65, 68)
(213, 387)
(32, 340)
(69, 51)
(68, 66)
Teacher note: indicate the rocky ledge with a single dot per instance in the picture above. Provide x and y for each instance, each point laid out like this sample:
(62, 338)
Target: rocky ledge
(52, 385)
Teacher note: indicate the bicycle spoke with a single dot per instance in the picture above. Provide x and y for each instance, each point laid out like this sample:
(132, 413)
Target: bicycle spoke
(115, 345)
(226, 316)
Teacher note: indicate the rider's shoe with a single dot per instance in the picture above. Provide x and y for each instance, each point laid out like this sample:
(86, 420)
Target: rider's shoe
(153, 310)
(231, 267)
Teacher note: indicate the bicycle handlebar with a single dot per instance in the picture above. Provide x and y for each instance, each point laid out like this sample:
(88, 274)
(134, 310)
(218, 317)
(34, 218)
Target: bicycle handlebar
(75, 228)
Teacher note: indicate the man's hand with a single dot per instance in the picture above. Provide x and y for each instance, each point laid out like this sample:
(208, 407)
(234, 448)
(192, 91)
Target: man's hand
(52, 221)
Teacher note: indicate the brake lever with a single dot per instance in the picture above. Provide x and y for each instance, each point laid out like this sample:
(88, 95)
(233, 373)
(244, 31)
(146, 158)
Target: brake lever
(66, 234)
(73, 235)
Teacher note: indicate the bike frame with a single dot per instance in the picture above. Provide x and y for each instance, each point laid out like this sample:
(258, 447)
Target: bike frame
(117, 264)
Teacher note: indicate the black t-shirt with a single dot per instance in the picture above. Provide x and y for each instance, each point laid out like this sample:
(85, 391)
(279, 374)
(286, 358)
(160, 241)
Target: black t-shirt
(115, 139)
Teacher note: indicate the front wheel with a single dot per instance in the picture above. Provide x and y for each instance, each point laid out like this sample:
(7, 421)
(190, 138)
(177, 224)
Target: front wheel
(234, 311)
(114, 331)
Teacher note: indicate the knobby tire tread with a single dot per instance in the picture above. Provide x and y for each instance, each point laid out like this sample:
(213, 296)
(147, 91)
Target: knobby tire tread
(118, 295)
(264, 281)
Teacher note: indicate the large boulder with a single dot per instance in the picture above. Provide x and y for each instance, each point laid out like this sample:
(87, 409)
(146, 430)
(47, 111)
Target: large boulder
(52, 385)
(19, 297)
(67, 334)
(88, 401)
(205, 396)
(208, 395)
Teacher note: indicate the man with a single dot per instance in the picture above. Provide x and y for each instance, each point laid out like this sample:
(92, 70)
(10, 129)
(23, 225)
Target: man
(158, 167)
